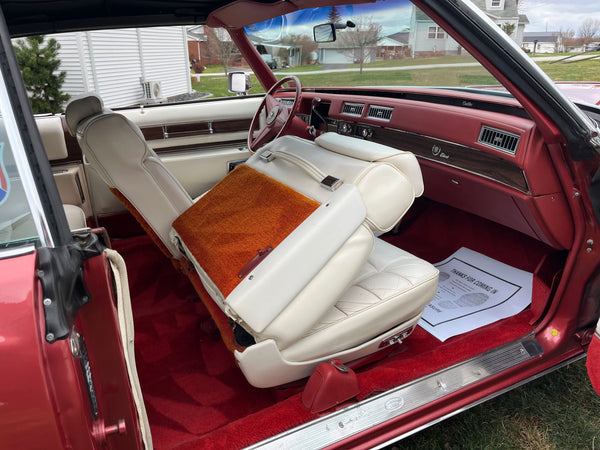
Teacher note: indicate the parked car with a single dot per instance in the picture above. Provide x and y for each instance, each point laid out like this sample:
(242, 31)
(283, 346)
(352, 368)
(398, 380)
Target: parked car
(593, 47)
(339, 262)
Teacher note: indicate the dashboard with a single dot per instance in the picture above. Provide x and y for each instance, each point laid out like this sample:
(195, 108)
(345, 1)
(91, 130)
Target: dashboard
(479, 154)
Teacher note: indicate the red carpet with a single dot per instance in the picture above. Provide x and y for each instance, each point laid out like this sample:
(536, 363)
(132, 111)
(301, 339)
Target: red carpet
(196, 396)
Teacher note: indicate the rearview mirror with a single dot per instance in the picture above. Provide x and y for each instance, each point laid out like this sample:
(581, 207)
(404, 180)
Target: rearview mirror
(324, 32)
(239, 82)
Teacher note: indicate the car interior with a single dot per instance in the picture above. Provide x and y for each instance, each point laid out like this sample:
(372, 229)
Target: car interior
(336, 239)
(342, 293)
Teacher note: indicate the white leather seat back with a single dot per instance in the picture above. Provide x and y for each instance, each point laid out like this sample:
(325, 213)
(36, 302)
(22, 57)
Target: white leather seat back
(406, 162)
(388, 180)
(115, 147)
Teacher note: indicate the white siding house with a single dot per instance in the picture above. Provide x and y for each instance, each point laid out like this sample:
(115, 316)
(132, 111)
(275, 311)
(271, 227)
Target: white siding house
(115, 63)
(426, 37)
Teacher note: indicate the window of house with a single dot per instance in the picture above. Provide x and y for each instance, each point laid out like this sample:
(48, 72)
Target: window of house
(436, 33)
(496, 4)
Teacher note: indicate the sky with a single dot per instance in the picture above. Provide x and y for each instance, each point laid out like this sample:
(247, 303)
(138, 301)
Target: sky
(557, 14)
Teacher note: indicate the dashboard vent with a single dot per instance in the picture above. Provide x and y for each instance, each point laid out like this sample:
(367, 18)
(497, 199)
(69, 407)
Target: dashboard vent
(499, 139)
(353, 109)
(380, 112)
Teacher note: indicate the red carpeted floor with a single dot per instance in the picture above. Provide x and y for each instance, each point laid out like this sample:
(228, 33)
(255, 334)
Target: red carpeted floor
(197, 398)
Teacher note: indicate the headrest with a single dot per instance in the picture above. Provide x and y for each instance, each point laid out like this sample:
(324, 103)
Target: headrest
(364, 150)
(80, 108)
(53, 136)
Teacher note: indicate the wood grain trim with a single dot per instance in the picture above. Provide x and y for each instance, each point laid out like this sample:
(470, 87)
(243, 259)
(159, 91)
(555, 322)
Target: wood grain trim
(195, 129)
(231, 126)
(455, 155)
(152, 133)
(201, 147)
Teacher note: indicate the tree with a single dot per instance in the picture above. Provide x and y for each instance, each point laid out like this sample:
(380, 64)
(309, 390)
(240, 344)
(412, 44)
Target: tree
(334, 15)
(39, 66)
(588, 30)
(508, 27)
(304, 42)
(566, 38)
(220, 46)
(362, 39)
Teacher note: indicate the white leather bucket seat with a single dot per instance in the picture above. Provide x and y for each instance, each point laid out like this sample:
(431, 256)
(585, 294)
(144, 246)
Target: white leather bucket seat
(327, 288)
(330, 289)
(116, 149)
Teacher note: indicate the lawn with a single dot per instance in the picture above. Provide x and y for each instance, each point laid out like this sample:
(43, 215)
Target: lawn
(588, 70)
(557, 411)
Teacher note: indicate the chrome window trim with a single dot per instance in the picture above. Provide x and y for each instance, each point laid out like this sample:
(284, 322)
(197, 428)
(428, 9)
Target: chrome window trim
(12, 252)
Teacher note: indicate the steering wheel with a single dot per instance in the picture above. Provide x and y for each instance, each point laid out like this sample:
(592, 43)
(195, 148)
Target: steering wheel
(279, 117)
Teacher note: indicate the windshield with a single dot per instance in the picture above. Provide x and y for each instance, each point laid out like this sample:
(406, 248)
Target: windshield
(377, 44)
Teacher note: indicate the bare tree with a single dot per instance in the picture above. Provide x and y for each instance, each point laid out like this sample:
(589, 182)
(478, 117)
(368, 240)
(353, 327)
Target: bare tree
(588, 30)
(566, 37)
(362, 39)
(220, 46)
(303, 42)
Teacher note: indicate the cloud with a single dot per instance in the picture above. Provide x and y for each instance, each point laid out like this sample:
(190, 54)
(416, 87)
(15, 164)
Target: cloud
(554, 15)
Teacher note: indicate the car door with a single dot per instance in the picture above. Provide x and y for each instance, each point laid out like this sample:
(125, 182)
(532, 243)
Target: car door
(69, 379)
(593, 360)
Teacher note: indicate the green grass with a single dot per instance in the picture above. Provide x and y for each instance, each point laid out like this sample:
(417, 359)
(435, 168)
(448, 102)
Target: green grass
(588, 70)
(557, 411)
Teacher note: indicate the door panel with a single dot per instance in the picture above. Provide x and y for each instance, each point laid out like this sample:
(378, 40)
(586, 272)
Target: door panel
(72, 186)
(196, 141)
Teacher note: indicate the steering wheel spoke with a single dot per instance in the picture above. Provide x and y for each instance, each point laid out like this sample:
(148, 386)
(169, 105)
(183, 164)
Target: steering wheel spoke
(279, 116)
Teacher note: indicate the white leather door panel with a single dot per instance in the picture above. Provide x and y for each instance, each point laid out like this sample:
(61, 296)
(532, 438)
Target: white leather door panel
(198, 142)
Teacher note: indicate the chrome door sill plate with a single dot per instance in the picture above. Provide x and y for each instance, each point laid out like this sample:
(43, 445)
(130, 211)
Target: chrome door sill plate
(398, 401)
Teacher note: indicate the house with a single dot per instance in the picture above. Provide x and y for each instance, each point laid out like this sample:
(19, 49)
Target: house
(426, 37)
(339, 52)
(126, 66)
(390, 48)
(543, 42)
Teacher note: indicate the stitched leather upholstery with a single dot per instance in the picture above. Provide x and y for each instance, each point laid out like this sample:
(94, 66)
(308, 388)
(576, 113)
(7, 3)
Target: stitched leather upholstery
(116, 149)
(351, 299)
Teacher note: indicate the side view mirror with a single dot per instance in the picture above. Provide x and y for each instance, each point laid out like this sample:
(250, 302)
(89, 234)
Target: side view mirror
(239, 82)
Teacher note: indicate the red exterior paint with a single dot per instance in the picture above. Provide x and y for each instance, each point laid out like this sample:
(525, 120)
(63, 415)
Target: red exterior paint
(593, 363)
(97, 321)
(38, 379)
(43, 399)
(583, 91)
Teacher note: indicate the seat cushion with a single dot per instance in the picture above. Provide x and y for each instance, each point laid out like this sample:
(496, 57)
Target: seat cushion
(386, 191)
(244, 215)
(393, 287)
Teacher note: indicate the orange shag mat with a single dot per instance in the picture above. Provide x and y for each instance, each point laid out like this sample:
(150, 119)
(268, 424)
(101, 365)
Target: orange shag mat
(244, 214)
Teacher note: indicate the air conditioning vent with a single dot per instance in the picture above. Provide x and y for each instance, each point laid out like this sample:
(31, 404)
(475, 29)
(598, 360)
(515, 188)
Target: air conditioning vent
(353, 109)
(499, 139)
(380, 112)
